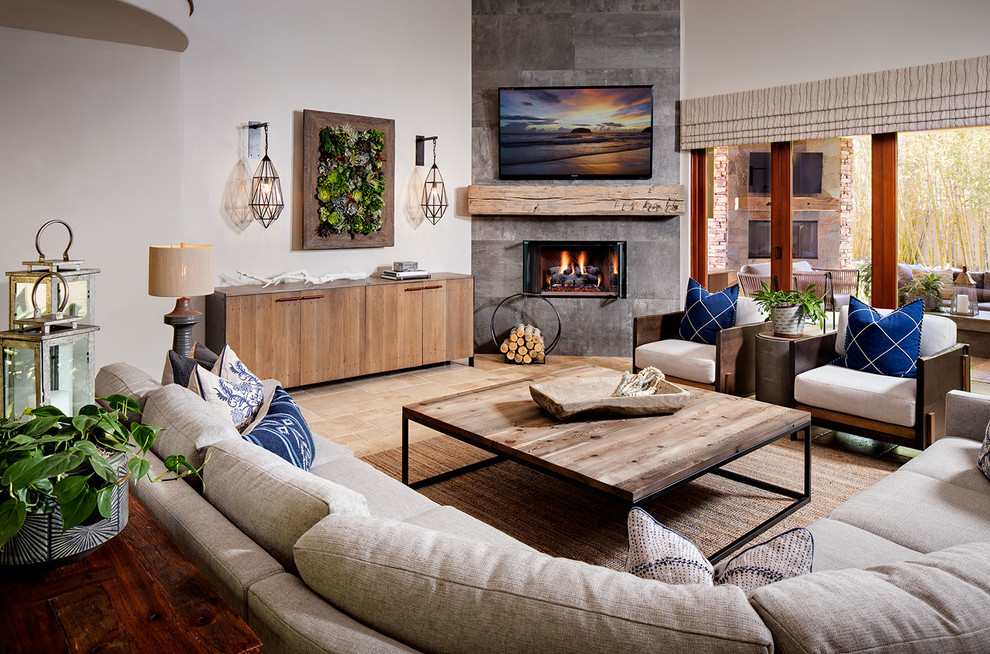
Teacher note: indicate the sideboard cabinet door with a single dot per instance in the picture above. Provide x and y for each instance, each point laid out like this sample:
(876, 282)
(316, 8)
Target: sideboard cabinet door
(263, 330)
(332, 334)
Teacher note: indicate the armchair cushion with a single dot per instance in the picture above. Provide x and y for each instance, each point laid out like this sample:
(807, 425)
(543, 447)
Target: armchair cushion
(887, 345)
(877, 397)
(678, 358)
(706, 314)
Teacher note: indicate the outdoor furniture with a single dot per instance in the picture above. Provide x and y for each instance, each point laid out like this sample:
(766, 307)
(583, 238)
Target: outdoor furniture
(727, 367)
(901, 410)
(750, 283)
(834, 286)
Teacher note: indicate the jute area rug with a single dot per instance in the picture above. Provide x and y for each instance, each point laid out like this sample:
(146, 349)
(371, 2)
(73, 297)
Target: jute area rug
(563, 519)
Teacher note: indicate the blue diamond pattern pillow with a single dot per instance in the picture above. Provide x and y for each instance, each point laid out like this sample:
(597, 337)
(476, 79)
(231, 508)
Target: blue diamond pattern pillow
(283, 431)
(884, 346)
(706, 314)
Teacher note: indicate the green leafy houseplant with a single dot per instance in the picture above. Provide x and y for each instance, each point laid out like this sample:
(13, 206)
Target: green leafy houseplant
(811, 305)
(351, 181)
(50, 461)
(927, 287)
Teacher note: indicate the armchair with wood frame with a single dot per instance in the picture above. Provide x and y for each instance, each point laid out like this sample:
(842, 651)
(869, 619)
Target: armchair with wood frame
(729, 366)
(900, 410)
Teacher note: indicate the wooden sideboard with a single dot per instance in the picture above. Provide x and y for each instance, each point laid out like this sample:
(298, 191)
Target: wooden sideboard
(305, 334)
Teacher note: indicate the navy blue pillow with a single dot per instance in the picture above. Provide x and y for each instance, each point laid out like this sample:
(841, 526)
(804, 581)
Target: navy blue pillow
(706, 314)
(884, 346)
(283, 431)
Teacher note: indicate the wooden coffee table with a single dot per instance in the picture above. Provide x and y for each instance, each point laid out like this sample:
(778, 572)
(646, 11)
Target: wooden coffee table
(632, 459)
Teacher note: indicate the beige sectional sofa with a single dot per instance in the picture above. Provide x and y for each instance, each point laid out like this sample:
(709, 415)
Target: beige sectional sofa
(346, 559)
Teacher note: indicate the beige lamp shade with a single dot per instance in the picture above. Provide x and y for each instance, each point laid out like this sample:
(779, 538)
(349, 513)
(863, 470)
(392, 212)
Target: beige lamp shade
(180, 270)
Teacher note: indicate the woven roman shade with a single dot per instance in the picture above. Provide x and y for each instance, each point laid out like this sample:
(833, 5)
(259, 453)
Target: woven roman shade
(933, 96)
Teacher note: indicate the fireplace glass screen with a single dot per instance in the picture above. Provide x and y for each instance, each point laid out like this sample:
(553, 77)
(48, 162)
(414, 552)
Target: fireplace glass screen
(575, 268)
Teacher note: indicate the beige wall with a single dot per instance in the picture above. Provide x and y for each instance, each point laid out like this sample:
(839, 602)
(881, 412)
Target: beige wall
(134, 146)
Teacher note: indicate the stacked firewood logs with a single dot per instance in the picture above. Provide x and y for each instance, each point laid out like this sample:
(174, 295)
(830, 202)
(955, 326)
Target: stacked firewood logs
(524, 345)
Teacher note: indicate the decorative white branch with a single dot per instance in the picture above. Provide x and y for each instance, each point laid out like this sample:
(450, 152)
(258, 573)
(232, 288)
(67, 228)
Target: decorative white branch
(298, 276)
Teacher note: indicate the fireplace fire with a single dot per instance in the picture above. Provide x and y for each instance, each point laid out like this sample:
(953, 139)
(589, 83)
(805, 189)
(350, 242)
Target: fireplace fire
(574, 268)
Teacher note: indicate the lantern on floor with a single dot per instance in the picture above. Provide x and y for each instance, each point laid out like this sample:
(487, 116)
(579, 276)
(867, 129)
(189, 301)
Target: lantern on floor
(964, 300)
(79, 289)
(48, 358)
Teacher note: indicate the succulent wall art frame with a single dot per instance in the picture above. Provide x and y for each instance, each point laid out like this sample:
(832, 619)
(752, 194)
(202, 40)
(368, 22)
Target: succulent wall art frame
(348, 181)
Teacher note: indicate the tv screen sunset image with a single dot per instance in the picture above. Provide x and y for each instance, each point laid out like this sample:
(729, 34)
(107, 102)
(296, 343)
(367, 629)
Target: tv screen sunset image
(576, 132)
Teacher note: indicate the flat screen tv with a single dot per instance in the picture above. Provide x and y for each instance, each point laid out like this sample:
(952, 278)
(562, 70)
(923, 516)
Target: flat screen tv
(587, 132)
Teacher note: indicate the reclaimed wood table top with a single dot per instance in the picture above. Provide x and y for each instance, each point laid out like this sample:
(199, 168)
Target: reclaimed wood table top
(631, 458)
(137, 593)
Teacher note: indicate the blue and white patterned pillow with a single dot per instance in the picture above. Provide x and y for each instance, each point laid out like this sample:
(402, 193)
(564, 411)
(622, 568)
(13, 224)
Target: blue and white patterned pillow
(659, 553)
(656, 552)
(884, 346)
(228, 366)
(784, 556)
(983, 461)
(283, 431)
(706, 314)
(238, 400)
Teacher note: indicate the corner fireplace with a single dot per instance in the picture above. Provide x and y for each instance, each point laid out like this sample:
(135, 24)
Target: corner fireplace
(591, 269)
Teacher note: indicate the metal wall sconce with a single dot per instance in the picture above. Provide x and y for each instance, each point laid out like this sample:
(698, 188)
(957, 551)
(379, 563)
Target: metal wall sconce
(434, 200)
(266, 190)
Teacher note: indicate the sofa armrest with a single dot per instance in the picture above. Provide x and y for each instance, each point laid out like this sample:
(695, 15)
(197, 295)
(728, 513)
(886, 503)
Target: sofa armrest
(656, 327)
(966, 415)
(944, 371)
(735, 358)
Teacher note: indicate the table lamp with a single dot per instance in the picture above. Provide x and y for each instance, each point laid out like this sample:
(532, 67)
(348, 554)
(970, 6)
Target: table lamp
(181, 271)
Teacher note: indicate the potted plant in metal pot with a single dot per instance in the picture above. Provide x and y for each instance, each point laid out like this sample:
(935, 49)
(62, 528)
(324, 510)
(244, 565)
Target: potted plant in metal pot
(927, 288)
(789, 309)
(63, 479)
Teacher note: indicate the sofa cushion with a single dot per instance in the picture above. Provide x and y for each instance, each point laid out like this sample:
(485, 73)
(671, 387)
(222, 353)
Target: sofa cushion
(954, 461)
(756, 268)
(289, 618)
(660, 553)
(125, 379)
(271, 500)
(459, 595)
(188, 424)
(449, 520)
(966, 415)
(935, 603)
(229, 560)
(887, 345)
(918, 512)
(284, 432)
(706, 314)
(326, 451)
(878, 397)
(839, 545)
(937, 332)
(678, 358)
(387, 497)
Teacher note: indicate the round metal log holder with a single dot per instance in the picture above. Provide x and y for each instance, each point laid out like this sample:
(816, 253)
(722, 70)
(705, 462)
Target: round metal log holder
(522, 295)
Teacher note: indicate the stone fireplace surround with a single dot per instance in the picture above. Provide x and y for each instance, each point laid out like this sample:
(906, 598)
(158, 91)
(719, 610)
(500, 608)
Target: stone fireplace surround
(591, 326)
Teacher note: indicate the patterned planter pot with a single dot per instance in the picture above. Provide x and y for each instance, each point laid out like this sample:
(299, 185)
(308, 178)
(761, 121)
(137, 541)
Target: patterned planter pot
(788, 321)
(41, 541)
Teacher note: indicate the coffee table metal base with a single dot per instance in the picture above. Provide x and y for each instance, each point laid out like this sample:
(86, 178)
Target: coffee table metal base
(800, 497)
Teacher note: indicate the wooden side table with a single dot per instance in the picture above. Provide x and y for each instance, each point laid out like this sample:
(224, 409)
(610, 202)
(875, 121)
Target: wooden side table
(137, 593)
(778, 358)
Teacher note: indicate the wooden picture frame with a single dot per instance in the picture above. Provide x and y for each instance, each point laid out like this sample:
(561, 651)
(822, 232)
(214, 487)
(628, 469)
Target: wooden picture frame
(313, 122)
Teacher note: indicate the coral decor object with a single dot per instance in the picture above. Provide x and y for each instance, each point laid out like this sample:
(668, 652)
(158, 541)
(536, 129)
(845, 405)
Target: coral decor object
(645, 382)
(298, 276)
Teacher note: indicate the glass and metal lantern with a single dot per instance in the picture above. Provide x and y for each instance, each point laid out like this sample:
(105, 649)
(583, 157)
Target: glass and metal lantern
(964, 300)
(48, 358)
(79, 289)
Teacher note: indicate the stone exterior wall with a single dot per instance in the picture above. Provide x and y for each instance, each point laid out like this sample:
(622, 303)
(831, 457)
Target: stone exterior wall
(728, 236)
(575, 43)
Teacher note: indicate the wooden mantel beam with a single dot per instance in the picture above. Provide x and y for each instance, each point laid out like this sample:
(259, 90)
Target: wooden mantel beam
(612, 200)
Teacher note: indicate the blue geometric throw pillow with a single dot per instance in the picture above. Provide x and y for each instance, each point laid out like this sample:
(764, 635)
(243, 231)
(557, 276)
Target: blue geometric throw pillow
(283, 431)
(659, 553)
(788, 555)
(884, 346)
(706, 314)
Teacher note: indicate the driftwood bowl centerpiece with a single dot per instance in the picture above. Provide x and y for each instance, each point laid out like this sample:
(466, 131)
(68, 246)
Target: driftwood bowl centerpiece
(594, 395)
